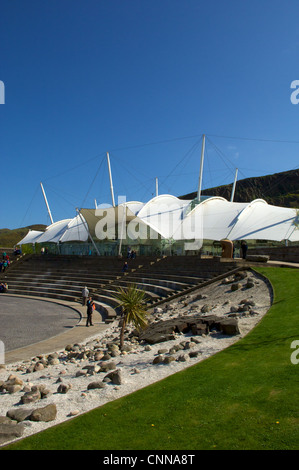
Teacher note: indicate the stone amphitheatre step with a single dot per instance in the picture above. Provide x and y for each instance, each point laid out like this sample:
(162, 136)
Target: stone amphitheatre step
(151, 296)
(37, 293)
(155, 288)
(64, 277)
(173, 282)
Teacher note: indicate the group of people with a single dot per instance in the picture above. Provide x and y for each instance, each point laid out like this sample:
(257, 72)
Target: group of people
(3, 287)
(87, 301)
(5, 262)
(131, 254)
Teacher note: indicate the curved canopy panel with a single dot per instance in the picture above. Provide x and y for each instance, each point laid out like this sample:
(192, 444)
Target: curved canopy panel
(54, 232)
(263, 221)
(105, 223)
(76, 230)
(219, 217)
(31, 237)
(163, 214)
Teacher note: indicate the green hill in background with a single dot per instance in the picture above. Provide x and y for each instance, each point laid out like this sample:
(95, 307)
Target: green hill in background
(279, 189)
(9, 238)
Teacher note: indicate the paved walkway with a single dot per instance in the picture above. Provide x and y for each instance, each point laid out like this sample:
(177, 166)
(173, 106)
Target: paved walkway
(76, 334)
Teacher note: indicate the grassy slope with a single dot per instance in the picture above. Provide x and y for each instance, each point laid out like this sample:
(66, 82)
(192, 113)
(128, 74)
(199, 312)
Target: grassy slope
(245, 397)
(9, 238)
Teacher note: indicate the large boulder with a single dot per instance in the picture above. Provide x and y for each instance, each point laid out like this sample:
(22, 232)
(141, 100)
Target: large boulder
(19, 415)
(229, 326)
(115, 377)
(195, 324)
(9, 432)
(47, 413)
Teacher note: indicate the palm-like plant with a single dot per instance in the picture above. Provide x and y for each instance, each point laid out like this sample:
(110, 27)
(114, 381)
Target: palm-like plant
(132, 301)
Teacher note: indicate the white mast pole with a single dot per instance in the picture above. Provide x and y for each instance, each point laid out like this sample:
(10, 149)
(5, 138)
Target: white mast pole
(46, 201)
(157, 192)
(201, 166)
(234, 186)
(110, 177)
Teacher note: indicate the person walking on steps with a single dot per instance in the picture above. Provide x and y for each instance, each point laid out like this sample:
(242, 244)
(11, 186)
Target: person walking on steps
(85, 294)
(90, 308)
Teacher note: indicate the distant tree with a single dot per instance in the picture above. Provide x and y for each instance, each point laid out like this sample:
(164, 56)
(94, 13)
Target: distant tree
(132, 301)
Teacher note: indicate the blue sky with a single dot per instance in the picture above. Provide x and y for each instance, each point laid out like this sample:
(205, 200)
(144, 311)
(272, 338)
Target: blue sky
(142, 80)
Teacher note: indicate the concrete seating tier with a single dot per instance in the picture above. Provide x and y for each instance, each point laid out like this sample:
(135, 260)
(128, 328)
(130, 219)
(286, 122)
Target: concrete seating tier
(63, 277)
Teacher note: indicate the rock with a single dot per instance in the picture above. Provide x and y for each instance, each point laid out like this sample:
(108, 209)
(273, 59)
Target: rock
(247, 302)
(158, 310)
(10, 431)
(249, 284)
(19, 415)
(200, 329)
(13, 388)
(194, 354)
(106, 357)
(229, 327)
(31, 397)
(105, 366)
(63, 388)
(81, 373)
(43, 390)
(74, 413)
(240, 276)
(183, 358)
(115, 377)
(158, 360)
(169, 359)
(162, 351)
(94, 385)
(54, 355)
(6, 420)
(53, 362)
(236, 286)
(189, 345)
(12, 385)
(47, 413)
(38, 366)
(205, 308)
(92, 369)
(14, 380)
(98, 355)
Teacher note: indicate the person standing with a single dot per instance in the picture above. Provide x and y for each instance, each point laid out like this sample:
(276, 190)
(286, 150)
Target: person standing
(244, 248)
(85, 294)
(90, 308)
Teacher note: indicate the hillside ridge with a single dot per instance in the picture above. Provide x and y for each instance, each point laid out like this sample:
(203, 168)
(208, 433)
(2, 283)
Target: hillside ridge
(278, 189)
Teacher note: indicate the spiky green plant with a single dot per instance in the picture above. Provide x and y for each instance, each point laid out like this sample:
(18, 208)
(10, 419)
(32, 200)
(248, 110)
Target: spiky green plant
(132, 301)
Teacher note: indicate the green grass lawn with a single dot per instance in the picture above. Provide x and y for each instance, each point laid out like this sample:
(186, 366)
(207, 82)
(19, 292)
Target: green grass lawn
(244, 397)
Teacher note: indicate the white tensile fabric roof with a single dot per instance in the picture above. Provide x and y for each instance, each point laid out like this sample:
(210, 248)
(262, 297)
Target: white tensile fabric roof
(214, 218)
(31, 237)
(62, 231)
